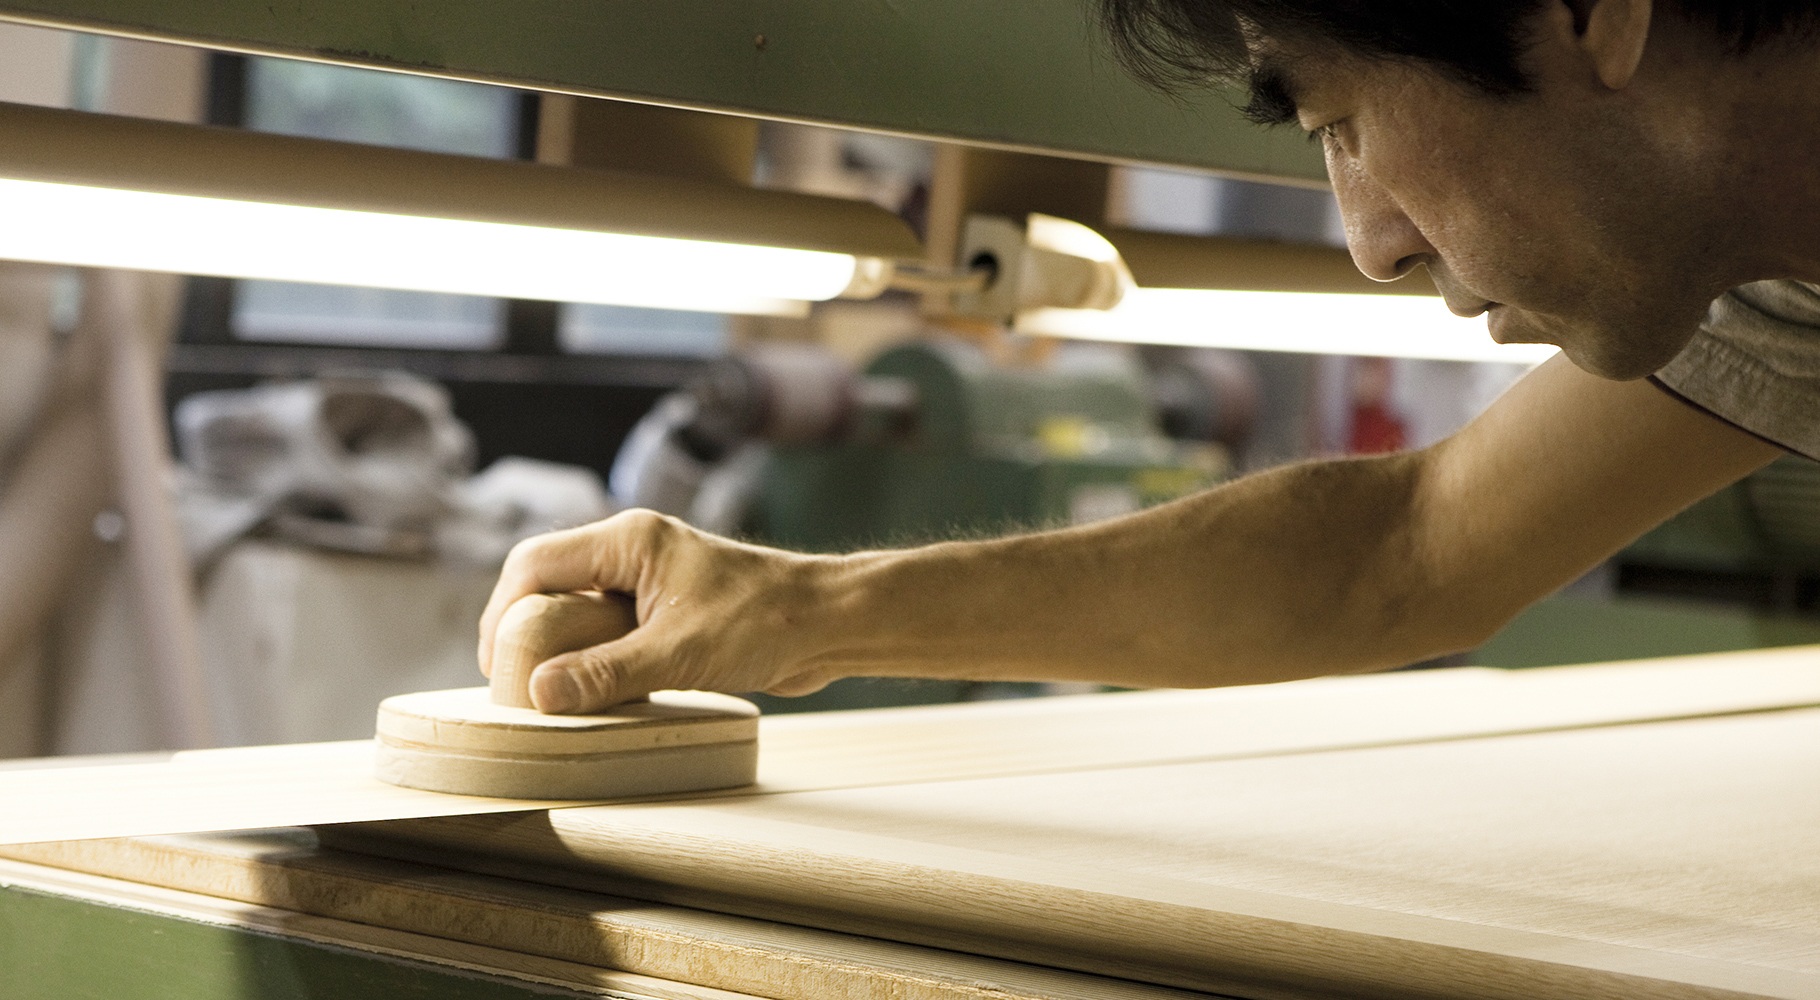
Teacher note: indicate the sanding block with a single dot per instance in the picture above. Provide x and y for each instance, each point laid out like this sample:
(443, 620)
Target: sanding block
(490, 741)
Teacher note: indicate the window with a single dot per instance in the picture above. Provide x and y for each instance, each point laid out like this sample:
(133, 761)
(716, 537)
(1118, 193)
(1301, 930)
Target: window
(354, 105)
(597, 329)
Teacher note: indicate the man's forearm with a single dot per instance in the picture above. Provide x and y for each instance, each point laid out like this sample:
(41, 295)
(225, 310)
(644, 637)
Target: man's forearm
(1299, 571)
(1311, 569)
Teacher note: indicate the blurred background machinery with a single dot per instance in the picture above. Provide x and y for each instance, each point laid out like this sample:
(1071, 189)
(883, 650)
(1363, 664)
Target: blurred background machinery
(933, 439)
(1765, 526)
(1738, 570)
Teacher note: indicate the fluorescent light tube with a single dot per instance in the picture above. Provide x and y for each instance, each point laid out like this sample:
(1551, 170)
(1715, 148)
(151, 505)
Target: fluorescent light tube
(1381, 325)
(100, 227)
(107, 191)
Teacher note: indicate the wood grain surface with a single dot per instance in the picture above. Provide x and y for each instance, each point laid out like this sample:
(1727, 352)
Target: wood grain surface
(279, 882)
(1635, 830)
(250, 787)
(1676, 859)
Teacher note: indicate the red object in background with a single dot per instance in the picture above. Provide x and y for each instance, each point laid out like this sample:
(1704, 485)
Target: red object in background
(1376, 428)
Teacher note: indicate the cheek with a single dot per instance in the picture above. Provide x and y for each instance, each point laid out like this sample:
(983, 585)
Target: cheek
(1488, 228)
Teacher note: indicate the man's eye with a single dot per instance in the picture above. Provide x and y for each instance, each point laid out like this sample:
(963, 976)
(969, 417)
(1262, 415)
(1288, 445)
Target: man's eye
(1324, 134)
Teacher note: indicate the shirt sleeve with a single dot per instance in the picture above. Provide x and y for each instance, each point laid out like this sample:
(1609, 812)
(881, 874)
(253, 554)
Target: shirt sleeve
(1756, 363)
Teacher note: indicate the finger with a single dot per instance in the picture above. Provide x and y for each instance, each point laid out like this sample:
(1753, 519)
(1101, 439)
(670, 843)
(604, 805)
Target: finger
(550, 563)
(599, 556)
(597, 678)
(538, 626)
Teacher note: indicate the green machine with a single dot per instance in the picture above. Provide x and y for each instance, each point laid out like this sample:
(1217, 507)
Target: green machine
(1767, 523)
(1738, 570)
(976, 447)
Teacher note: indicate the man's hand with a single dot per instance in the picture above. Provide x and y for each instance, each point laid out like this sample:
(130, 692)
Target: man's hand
(713, 614)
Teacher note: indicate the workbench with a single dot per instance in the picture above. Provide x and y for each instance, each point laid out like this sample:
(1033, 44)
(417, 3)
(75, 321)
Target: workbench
(1647, 829)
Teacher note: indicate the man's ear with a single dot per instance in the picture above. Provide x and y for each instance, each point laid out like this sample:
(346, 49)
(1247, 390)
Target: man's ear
(1610, 34)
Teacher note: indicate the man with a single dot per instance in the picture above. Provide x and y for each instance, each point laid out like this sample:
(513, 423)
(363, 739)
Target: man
(1591, 173)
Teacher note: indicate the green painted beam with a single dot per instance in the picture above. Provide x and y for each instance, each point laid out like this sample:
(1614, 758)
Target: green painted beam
(1564, 629)
(1024, 74)
(59, 948)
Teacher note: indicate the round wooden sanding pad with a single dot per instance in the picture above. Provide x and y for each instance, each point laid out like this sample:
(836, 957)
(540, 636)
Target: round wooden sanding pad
(461, 741)
(490, 741)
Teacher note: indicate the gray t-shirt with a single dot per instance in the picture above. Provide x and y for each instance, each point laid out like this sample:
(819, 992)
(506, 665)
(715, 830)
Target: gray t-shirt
(1756, 363)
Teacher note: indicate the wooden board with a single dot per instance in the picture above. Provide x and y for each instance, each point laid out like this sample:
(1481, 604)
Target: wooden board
(231, 789)
(1621, 831)
(1668, 859)
(253, 787)
(279, 883)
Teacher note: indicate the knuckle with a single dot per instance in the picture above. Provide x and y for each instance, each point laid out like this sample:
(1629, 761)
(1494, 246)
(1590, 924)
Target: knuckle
(638, 541)
(646, 527)
(522, 558)
(638, 519)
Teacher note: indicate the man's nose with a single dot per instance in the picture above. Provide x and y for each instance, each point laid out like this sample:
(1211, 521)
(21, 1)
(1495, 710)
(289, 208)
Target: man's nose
(1385, 244)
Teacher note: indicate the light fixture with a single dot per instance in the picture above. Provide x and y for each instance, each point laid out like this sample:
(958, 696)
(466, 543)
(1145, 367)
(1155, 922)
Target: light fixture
(1397, 326)
(105, 191)
(1211, 292)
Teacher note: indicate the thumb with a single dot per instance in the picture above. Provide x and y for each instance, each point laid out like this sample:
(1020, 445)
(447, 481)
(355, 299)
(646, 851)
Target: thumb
(597, 678)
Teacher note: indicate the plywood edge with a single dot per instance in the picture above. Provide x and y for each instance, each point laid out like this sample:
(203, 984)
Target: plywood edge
(1180, 933)
(229, 789)
(100, 890)
(481, 916)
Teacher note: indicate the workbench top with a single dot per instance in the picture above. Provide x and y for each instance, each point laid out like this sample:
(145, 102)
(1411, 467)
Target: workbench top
(1646, 829)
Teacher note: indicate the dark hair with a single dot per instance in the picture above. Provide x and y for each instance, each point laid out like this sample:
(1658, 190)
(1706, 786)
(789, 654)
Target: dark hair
(1173, 44)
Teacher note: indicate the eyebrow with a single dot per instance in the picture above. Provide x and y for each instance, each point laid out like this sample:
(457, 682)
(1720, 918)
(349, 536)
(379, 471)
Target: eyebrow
(1273, 90)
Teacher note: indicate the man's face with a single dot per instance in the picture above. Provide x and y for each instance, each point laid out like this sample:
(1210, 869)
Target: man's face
(1553, 211)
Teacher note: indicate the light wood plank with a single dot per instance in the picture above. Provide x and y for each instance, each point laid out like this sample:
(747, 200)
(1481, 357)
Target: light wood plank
(253, 787)
(237, 788)
(942, 742)
(1672, 859)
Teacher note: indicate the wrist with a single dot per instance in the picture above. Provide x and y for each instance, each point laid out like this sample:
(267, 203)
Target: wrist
(900, 613)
